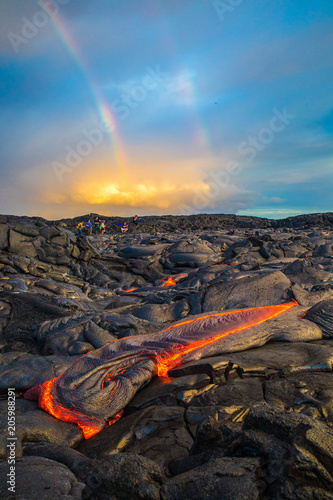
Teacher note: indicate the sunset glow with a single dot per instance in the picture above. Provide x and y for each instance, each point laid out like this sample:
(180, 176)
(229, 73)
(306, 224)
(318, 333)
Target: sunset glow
(106, 115)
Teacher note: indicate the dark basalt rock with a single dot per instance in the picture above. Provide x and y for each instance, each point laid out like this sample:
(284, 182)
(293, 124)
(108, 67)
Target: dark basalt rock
(311, 296)
(302, 272)
(309, 451)
(162, 436)
(274, 288)
(164, 313)
(227, 478)
(87, 331)
(79, 464)
(234, 395)
(21, 245)
(250, 423)
(40, 478)
(189, 254)
(322, 315)
(169, 391)
(4, 231)
(157, 432)
(265, 361)
(121, 477)
(22, 371)
(33, 424)
(125, 476)
(27, 310)
(140, 251)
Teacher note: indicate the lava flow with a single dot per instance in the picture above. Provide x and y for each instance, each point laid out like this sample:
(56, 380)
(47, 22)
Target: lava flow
(46, 401)
(170, 282)
(94, 391)
(165, 364)
(173, 280)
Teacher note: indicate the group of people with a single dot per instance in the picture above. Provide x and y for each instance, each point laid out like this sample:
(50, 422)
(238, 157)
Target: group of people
(124, 225)
(100, 226)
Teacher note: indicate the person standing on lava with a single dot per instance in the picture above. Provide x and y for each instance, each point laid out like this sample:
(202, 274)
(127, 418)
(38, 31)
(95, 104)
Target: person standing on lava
(96, 224)
(103, 227)
(89, 227)
(79, 227)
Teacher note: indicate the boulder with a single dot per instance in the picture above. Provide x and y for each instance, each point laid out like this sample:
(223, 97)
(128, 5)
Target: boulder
(158, 433)
(21, 245)
(227, 478)
(4, 231)
(305, 272)
(262, 290)
(322, 314)
(40, 478)
(162, 312)
(23, 371)
(38, 425)
(26, 229)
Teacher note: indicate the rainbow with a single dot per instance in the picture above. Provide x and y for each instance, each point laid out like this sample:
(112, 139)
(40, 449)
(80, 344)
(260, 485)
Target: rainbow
(106, 117)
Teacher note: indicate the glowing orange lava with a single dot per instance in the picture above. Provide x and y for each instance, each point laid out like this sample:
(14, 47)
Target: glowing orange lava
(47, 403)
(165, 360)
(165, 364)
(170, 282)
(130, 290)
(115, 418)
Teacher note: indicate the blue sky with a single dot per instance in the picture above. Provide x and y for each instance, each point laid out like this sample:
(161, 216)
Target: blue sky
(207, 107)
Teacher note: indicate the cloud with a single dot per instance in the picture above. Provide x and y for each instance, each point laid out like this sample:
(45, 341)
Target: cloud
(260, 58)
(182, 186)
(273, 199)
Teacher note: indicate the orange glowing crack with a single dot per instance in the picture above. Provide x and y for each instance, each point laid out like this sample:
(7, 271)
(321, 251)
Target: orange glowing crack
(130, 290)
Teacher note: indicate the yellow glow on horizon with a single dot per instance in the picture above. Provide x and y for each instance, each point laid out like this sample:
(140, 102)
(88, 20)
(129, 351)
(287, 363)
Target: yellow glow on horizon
(163, 195)
(152, 186)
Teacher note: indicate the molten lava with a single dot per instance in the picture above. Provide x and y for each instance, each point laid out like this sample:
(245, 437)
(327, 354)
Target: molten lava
(47, 403)
(95, 389)
(173, 280)
(174, 359)
(170, 282)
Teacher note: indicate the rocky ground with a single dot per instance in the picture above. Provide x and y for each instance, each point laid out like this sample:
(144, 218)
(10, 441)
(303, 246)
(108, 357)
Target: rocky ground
(255, 424)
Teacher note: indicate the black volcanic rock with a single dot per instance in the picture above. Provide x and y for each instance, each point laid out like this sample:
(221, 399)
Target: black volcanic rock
(172, 223)
(40, 478)
(250, 424)
(322, 314)
(261, 290)
(227, 478)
